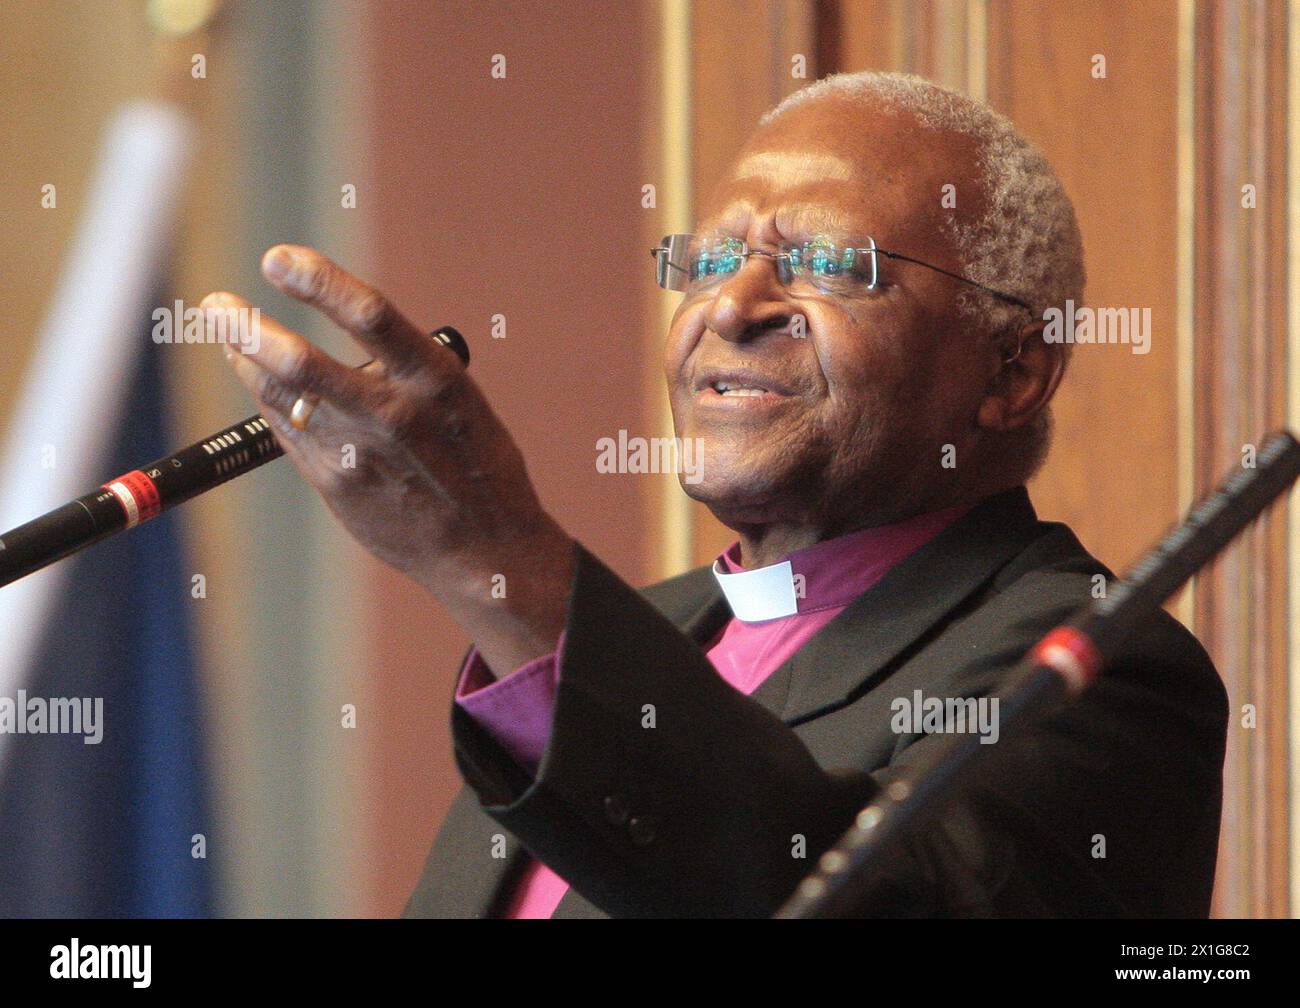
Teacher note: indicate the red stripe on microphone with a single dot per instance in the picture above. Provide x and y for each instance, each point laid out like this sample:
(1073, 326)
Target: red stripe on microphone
(138, 496)
(1072, 655)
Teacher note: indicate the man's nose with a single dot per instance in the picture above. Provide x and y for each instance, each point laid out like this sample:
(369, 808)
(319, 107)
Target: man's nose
(751, 301)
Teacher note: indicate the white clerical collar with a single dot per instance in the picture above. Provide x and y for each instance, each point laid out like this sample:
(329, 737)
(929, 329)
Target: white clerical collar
(765, 593)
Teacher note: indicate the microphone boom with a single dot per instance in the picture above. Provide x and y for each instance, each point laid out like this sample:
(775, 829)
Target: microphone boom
(145, 493)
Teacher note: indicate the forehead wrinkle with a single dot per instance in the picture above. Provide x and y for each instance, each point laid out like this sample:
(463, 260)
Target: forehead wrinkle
(793, 168)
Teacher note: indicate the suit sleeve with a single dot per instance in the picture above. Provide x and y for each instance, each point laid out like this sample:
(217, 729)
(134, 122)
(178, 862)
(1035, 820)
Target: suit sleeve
(662, 791)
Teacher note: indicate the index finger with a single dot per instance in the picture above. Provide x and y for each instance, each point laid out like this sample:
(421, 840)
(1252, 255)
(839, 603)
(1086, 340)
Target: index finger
(369, 316)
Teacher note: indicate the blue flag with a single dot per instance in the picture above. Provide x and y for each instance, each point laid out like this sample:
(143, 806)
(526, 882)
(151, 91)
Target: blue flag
(111, 828)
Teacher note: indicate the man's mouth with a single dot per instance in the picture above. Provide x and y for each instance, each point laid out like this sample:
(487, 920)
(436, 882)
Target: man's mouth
(740, 384)
(726, 389)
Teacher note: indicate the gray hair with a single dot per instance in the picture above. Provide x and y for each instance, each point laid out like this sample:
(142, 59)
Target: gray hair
(1026, 242)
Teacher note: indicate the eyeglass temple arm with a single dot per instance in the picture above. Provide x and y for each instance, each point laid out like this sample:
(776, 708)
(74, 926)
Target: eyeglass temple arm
(957, 276)
(660, 255)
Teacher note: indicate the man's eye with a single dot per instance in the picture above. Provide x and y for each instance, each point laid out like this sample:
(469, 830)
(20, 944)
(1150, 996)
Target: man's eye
(829, 268)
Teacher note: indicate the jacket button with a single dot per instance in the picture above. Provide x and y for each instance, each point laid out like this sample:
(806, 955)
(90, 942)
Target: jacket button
(615, 810)
(642, 830)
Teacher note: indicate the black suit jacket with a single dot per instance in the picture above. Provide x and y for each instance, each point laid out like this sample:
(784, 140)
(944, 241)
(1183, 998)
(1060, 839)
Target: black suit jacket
(1109, 808)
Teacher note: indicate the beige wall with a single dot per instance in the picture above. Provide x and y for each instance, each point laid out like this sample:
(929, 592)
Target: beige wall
(519, 197)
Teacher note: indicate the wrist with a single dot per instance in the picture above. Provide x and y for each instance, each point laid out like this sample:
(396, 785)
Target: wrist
(511, 599)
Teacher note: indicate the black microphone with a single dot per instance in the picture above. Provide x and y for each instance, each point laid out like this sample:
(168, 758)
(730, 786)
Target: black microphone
(147, 492)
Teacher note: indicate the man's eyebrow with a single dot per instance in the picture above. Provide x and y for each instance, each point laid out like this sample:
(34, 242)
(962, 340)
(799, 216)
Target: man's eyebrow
(795, 221)
(815, 221)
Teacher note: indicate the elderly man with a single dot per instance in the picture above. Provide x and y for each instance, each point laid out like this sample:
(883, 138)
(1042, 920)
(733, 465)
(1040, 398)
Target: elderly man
(859, 350)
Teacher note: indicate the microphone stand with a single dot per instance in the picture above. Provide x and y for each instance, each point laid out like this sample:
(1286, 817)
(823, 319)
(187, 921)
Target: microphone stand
(1056, 671)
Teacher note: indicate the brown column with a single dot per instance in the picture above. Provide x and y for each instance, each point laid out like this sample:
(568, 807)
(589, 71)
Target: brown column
(1240, 369)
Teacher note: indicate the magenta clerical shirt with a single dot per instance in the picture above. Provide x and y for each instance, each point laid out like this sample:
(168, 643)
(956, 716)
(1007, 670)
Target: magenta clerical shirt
(775, 610)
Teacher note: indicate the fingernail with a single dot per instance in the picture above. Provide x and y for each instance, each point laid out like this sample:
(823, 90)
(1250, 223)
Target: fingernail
(277, 263)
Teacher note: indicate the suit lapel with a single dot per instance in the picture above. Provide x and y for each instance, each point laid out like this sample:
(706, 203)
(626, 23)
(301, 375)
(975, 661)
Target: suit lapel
(709, 620)
(873, 630)
(859, 644)
(461, 878)
(705, 625)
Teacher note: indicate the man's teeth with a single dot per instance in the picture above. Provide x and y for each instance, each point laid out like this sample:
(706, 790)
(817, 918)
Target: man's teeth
(737, 390)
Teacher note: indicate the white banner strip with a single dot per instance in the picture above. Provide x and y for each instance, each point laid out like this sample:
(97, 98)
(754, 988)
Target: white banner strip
(74, 393)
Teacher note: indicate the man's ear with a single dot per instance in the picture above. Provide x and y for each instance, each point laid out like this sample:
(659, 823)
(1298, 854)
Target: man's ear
(1025, 373)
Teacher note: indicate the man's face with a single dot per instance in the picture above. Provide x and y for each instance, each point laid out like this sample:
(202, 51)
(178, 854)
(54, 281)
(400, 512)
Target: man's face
(852, 426)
